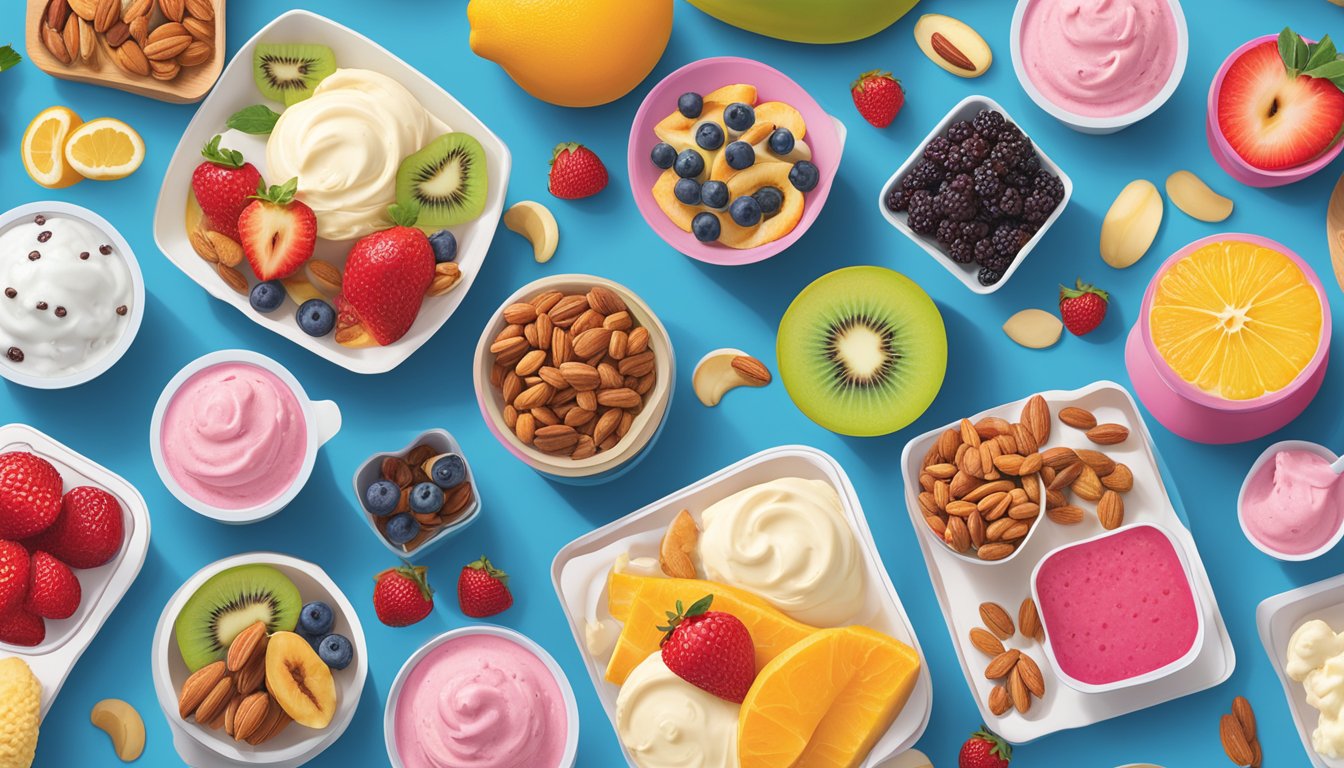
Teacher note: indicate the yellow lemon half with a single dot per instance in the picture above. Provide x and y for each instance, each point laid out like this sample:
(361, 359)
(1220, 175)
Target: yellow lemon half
(105, 149)
(44, 147)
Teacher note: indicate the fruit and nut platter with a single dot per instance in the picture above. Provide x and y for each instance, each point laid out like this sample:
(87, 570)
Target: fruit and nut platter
(930, 385)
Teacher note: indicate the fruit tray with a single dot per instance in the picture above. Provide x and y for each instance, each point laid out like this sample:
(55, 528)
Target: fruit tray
(580, 569)
(102, 587)
(236, 89)
(961, 587)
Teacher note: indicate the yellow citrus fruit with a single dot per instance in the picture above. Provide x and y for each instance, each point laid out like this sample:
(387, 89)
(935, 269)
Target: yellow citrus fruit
(575, 53)
(105, 149)
(1236, 320)
(44, 147)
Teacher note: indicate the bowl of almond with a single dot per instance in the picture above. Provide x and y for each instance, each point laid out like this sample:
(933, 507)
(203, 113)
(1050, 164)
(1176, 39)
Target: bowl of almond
(573, 375)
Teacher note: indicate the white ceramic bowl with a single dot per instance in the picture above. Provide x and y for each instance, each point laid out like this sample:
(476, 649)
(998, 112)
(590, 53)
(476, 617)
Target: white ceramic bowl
(1099, 125)
(137, 308)
(322, 418)
(567, 760)
(966, 109)
(371, 471)
(1266, 457)
(296, 745)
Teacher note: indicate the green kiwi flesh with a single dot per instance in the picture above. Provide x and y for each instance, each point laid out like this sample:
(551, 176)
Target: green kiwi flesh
(862, 351)
(229, 602)
(446, 180)
(289, 72)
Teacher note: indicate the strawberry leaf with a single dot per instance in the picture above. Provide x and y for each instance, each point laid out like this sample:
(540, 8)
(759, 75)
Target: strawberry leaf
(699, 607)
(1331, 70)
(257, 119)
(1320, 53)
(405, 215)
(229, 158)
(278, 194)
(1293, 51)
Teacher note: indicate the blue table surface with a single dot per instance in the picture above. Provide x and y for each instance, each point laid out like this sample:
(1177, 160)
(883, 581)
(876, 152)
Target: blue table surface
(527, 519)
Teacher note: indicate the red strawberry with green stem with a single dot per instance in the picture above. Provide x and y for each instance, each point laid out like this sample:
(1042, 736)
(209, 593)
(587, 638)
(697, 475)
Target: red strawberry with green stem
(711, 650)
(878, 96)
(88, 532)
(30, 494)
(984, 750)
(277, 232)
(576, 172)
(483, 589)
(19, 627)
(53, 589)
(1082, 307)
(402, 596)
(224, 186)
(14, 573)
(387, 274)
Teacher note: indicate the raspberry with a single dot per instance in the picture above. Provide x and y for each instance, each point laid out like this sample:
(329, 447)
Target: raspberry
(960, 131)
(988, 124)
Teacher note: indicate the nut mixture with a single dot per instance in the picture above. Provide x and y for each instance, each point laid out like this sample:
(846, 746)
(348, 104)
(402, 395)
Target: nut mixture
(1018, 678)
(143, 38)
(231, 694)
(407, 472)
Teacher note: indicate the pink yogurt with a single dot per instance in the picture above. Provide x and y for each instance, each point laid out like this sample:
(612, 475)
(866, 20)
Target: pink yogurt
(1291, 505)
(234, 436)
(1117, 607)
(1099, 58)
(480, 701)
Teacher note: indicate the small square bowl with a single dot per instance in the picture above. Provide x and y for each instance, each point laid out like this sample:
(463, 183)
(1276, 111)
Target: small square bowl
(966, 109)
(371, 471)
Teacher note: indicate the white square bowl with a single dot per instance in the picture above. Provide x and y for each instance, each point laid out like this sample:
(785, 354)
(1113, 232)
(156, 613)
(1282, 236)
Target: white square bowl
(967, 109)
(236, 90)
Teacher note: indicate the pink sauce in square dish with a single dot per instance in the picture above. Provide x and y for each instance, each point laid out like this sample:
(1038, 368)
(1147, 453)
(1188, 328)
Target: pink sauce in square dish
(1117, 607)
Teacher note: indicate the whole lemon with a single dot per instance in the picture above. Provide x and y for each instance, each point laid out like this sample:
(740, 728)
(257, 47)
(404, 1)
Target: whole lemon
(575, 53)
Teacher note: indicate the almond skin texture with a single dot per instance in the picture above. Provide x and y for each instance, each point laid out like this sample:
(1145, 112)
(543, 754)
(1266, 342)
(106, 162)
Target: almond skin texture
(1036, 417)
(997, 620)
(995, 551)
(1029, 621)
(1111, 510)
(1235, 744)
(1002, 665)
(1108, 434)
(1241, 708)
(1121, 479)
(999, 701)
(198, 686)
(986, 642)
(1031, 675)
(1018, 691)
(1078, 418)
(245, 647)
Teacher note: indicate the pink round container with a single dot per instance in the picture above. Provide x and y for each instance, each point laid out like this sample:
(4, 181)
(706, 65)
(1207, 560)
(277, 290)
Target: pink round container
(1228, 158)
(825, 135)
(1196, 415)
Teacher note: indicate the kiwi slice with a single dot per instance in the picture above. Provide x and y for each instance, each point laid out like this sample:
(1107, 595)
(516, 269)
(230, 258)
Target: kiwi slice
(288, 72)
(862, 351)
(229, 602)
(446, 180)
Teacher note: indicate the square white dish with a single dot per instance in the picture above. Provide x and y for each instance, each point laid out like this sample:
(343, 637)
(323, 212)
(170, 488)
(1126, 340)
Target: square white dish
(966, 109)
(580, 569)
(1149, 501)
(101, 588)
(236, 90)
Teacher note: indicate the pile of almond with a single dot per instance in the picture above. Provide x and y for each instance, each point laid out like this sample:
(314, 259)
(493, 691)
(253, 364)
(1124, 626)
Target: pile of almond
(574, 370)
(1091, 474)
(1237, 732)
(408, 472)
(145, 38)
(1019, 675)
(231, 693)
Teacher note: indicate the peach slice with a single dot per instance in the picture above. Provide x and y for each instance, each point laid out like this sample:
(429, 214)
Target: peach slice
(678, 212)
(783, 116)
(746, 182)
(679, 131)
(299, 681)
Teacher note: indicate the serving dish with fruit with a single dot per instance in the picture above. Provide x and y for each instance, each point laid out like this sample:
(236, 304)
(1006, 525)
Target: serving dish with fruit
(417, 497)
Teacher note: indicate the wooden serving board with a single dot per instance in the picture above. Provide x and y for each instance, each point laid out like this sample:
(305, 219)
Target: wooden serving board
(189, 86)
(1334, 230)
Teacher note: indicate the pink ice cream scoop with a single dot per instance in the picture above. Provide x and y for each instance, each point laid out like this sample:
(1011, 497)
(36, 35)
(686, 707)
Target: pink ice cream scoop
(1291, 505)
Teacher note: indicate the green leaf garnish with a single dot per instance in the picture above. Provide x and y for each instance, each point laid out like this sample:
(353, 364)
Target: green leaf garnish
(257, 119)
(229, 158)
(280, 194)
(1293, 51)
(1319, 53)
(8, 57)
(404, 215)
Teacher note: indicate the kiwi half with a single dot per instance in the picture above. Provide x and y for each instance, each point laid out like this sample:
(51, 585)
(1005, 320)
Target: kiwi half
(289, 72)
(229, 602)
(862, 351)
(446, 180)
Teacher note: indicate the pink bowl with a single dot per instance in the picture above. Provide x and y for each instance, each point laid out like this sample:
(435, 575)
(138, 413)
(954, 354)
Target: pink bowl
(1228, 158)
(825, 135)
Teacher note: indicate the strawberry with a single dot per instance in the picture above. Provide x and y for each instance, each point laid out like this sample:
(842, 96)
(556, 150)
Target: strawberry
(19, 627)
(387, 274)
(711, 650)
(224, 186)
(30, 494)
(483, 589)
(88, 531)
(13, 575)
(984, 750)
(879, 97)
(401, 596)
(1082, 308)
(277, 232)
(576, 172)
(53, 590)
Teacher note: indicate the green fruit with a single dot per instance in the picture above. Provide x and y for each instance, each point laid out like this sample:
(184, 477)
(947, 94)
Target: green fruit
(229, 602)
(446, 180)
(288, 73)
(808, 21)
(862, 351)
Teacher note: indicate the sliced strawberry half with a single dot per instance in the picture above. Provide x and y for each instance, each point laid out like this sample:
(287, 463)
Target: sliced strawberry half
(277, 232)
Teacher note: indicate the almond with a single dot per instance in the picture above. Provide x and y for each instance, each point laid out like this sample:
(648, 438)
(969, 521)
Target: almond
(605, 300)
(1028, 620)
(753, 370)
(520, 313)
(556, 438)
(997, 620)
(957, 535)
(1031, 464)
(991, 427)
(568, 309)
(1100, 463)
(84, 9)
(200, 30)
(531, 363)
(201, 9)
(676, 553)
(968, 434)
(995, 551)
(1078, 418)
(1018, 691)
(584, 448)
(1065, 515)
(525, 428)
(166, 41)
(617, 321)
(999, 701)
(232, 277)
(173, 9)
(198, 686)
(55, 44)
(1241, 709)
(1031, 676)
(1055, 499)
(960, 508)
(606, 424)
(1009, 464)
(1036, 417)
(119, 33)
(1111, 510)
(986, 489)
(215, 702)
(545, 301)
(936, 524)
(986, 642)
(228, 252)
(1235, 744)
(639, 341)
(638, 365)
(70, 36)
(975, 524)
(231, 715)
(1108, 434)
(1025, 440)
(1059, 458)
(941, 471)
(88, 41)
(534, 396)
(588, 320)
(252, 711)
(246, 646)
(322, 274)
(58, 12)
(1002, 665)
(1087, 485)
(136, 9)
(951, 53)
(105, 14)
(1024, 512)
(1065, 477)
(250, 678)
(619, 398)
(1121, 479)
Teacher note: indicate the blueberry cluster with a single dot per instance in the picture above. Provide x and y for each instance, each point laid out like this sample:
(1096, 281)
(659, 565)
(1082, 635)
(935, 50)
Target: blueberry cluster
(979, 189)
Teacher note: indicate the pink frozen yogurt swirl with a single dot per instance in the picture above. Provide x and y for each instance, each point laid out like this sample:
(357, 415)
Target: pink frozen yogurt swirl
(1291, 504)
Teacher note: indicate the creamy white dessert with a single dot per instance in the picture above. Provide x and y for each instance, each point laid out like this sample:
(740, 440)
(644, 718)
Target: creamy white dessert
(665, 722)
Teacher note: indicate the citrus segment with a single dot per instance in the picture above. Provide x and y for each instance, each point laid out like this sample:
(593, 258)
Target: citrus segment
(44, 147)
(105, 149)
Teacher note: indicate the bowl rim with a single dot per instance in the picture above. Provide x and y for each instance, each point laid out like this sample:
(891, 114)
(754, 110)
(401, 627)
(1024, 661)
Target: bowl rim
(1264, 458)
(137, 310)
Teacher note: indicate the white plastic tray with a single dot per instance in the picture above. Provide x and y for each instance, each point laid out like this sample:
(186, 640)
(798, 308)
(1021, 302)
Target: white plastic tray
(101, 588)
(1150, 501)
(580, 569)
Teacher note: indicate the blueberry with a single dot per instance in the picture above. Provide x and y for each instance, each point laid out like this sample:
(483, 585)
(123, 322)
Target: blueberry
(739, 116)
(687, 191)
(445, 246)
(316, 618)
(690, 104)
(739, 155)
(267, 297)
(714, 194)
(804, 176)
(426, 499)
(745, 211)
(770, 199)
(709, 136)
(781, 141)
(448, 470)
(316, 317)
(689, 164)
(706, 227)
(335, 651)
(402, 528)
(663, 155)
(382, 497)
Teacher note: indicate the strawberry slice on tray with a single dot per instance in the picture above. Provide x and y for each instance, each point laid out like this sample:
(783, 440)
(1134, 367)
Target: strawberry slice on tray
(277, 232)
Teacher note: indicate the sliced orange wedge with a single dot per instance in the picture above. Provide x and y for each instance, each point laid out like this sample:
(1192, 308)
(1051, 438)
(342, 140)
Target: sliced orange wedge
(44, 147)
(105, 149)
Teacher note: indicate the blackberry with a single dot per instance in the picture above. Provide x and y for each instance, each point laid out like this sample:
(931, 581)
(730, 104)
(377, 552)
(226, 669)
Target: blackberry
(960, 131)
(1018, 180)
(898, 199)
(988, 277)
(936, 152)
(962, 251)
(925, 175)
(958, 198)
(1050, 184)
(986, 183)
(958, 160)
(976, 148)
(947, 232)
(1009, 202)
(1038, 206)
(1008, 239)
(1010, 152)
(984, 251)
(924, 213)
(1029, 164)
(988, 124)
(974, 230)
(1010, 131)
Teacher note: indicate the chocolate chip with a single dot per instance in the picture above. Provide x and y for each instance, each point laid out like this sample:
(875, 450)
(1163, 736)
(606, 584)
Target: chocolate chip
(34, 255)
(39, 219)
(84, 256)
(41, 305)
(43, 236)
(121, 310)
(60, 311)
(10, 293)
(105, 249)
(15, 354)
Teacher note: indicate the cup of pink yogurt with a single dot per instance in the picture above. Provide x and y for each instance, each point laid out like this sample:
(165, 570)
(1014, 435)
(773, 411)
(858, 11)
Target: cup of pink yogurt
(1291, 505)
(1098, 66)
(234, 436)
(1119, 609)
(483, 697)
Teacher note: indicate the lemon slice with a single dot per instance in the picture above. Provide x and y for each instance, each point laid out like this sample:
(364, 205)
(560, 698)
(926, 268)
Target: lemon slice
(44, 147)
(105, 149)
